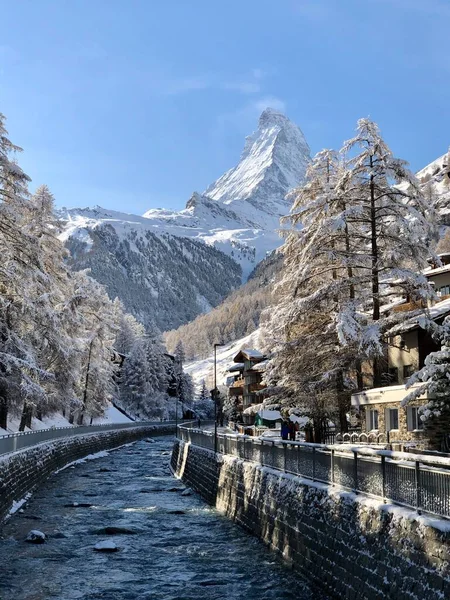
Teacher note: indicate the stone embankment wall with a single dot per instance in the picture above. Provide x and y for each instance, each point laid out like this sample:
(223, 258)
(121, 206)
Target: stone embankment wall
(351, 546)
(22, 471)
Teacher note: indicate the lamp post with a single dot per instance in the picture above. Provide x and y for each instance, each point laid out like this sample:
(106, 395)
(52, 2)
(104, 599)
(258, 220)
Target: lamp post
(215, 396)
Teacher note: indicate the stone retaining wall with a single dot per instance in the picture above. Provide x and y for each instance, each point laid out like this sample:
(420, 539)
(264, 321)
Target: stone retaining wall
(351, 546)
(22, 471)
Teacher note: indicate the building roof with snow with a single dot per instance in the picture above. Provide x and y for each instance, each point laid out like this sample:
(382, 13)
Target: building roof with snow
(438, 311)
(260, 367)
(248, 354)
(236, 367)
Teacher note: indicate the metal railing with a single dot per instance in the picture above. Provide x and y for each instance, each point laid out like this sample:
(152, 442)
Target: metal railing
(362, 438)
(414, 480)
(16, 441)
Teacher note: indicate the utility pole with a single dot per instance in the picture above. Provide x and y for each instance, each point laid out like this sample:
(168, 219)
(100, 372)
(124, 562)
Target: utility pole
(215, 396)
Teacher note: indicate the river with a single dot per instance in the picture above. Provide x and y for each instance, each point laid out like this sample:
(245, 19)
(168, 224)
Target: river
(176, 546)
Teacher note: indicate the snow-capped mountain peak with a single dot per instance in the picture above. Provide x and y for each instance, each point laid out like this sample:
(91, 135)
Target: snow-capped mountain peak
(168, 265)
(274, 161)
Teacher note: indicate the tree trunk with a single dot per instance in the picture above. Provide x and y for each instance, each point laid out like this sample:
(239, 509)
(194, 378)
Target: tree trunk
(377, 372)
(359, 375)
(80, 418)
(342, 401)
(3, 412)
(25, 419)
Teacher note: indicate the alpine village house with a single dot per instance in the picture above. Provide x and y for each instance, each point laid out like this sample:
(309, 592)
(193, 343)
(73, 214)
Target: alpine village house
(382, 416)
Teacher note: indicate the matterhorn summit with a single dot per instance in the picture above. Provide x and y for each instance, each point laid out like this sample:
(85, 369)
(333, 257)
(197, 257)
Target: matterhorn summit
(274, 160)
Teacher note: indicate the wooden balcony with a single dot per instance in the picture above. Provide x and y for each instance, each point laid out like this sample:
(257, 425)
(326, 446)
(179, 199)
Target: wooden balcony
(236, 388)
(256, 387)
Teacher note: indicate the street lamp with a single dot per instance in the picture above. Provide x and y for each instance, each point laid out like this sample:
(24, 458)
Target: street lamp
(215, 396)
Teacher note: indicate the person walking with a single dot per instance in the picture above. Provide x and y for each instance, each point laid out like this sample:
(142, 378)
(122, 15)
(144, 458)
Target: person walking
(199, 422)
(284, 430)
(291, 427)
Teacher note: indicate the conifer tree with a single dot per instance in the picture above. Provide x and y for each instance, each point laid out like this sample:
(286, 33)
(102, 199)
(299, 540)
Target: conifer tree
(435, 378)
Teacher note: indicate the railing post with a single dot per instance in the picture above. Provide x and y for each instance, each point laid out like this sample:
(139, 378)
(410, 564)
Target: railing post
(332, 466)
(273, 454)
(383, 476)
(314, 463)
(417, 478)
(298, 460)
(284, 456)
(355, 471)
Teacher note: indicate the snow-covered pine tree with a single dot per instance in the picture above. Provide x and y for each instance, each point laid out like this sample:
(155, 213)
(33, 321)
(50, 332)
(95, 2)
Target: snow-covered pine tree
(317, 285)
(392, 229)
(203, 405)
(97, 333)
(435, 378)
(135, 381)
(21, 278)
(204, 394)
(179, 353)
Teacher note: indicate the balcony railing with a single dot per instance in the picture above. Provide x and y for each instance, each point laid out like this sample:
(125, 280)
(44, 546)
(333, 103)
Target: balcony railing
(415, 480)
(256, 387)
(239, 383)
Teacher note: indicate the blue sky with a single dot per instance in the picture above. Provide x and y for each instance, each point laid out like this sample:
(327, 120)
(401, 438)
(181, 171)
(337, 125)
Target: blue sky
(133, 104)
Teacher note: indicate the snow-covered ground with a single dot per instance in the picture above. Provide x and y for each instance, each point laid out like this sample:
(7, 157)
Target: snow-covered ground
(202, 369)
(112, 415)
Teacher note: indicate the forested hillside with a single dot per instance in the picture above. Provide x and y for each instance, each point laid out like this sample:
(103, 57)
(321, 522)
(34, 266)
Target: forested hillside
(161, 279)
(236, 317)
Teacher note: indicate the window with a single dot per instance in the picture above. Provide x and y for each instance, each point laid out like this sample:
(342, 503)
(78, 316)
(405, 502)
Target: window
(391, 418)
(414, 420)
(372, 420)
(444, 290)
(393, 375)
(408, 370)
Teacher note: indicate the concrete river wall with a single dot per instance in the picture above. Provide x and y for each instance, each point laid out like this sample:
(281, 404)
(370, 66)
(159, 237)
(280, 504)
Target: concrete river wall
(353, 547)
(24, 470)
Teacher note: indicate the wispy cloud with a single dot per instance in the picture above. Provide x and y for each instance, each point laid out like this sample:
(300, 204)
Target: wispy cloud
(437, 8)
(249, 84)
(314, 10)
(269, 102)
(244, 87)
(243, 119)
(184, 85)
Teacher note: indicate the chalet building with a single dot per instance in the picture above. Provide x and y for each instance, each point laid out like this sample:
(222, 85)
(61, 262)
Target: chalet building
(246, 379)
(382, 415)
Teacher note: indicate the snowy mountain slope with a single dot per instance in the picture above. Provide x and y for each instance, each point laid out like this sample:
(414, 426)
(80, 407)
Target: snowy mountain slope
(240, 212)
(437, 175)
(202, 369)
(161, 279)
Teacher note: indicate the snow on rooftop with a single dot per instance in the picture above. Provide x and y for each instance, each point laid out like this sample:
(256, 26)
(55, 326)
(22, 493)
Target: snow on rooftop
(435, 312)
(261, 366)
(236, 367)
(252, 353)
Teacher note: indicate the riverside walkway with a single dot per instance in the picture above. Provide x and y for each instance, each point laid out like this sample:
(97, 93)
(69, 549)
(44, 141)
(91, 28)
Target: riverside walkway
(171, 545)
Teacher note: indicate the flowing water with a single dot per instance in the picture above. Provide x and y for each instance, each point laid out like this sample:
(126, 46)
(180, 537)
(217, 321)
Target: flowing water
(174, 546)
